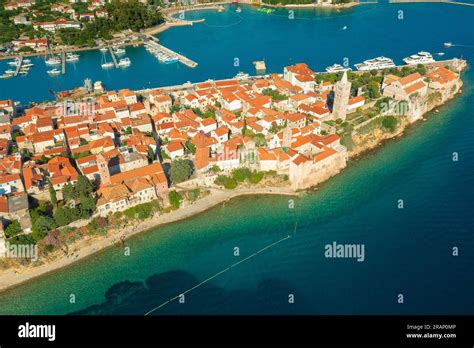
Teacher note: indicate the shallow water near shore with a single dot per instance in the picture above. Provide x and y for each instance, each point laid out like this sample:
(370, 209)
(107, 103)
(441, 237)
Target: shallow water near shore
(407, 251)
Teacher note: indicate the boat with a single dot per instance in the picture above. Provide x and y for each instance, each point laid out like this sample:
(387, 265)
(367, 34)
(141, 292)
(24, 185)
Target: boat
(375, 64)
(53, 61)
(124, 62)
(344, 27)
(241, 76)
(6, 76)
(106, 64)
(238, 10)
(28, 65)
(448, 44)
(9, 71)
(421, 58)
(14, 62)
(440, 53)
(26, 60)
(170, 59)
(119, 51)
(337, 68)
(220, 9)
(54, 71)
(72, 57)
(103, 49)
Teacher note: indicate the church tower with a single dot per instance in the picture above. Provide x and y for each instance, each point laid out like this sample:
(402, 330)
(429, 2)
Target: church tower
(287, 134)
(342, 93)
(103, 170)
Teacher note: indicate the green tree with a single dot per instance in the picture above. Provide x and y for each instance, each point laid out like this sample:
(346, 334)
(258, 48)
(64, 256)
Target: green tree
(373, 90)
(194, 194)
(241, 174)
(190, 148)
(52, 193)
(215, 168)
(390, 123)
(87, 205)
(180, 171)
(65, 215)
(175, 199)
(13, 229)
(41, 226)
(69, 192)
(150, 154)
(84, 186)
(256, 177)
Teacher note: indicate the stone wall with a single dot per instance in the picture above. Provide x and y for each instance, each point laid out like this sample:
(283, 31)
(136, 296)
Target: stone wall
(310, 173)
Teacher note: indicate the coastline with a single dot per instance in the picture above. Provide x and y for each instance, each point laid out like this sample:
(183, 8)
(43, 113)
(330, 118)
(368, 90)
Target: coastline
(10, 278)
(88, 246)
(162, 27)
(310, 6)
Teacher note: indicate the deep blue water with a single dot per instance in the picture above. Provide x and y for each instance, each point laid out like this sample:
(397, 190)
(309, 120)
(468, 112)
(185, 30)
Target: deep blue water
(314, 37)
(407, 251)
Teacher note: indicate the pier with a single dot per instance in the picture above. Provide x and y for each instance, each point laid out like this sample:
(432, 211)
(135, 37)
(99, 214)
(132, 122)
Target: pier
(114, 59)
(63, 62)
(184, 60)
(18, 67)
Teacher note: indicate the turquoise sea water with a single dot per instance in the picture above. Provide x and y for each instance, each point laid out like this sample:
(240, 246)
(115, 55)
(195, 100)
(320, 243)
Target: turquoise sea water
(407, 251)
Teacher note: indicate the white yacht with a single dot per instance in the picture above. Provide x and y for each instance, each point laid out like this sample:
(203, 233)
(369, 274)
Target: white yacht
(124, 62)
(238, 10)
(103, 49)
(14, 62)
(375, 64)
(72, 57)
(53, 61)
(241, 76)
(421, 58)
(448, 44)
(336, 68)
(119, 51)
(107, 65)
(54, 72)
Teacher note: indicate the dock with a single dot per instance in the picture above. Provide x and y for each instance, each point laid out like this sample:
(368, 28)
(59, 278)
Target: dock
(114, 59)
(63, 62)
(184, 60)
(18, 67)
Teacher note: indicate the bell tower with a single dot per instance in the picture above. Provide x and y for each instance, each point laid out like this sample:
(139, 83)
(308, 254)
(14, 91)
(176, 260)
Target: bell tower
(103, 170)
(342, 91)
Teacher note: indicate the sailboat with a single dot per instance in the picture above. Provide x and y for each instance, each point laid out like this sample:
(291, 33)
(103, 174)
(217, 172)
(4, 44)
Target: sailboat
(106, 64)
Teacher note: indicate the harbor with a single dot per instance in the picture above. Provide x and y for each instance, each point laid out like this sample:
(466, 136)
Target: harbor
(217, 61)
(114, 59)
(167, 56)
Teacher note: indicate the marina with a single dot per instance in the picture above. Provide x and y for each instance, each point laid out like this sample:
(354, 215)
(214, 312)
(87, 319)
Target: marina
(63, 63)
(359, 205)
(213, 59)
(167, 56)
(114, 59)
